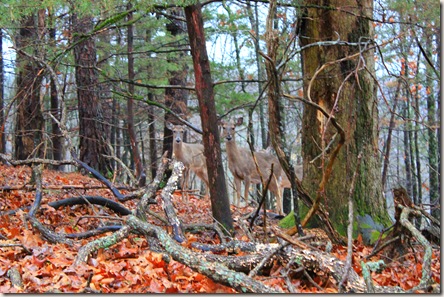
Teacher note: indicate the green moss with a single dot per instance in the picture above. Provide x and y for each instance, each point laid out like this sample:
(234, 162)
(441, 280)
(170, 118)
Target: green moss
(288, 221)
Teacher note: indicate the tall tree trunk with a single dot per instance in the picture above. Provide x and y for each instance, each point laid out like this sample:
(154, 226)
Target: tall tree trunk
(105, 95)
(220, 204)
(93, 140)
(432, 149)
(175, 99)
(275, 107)
(407, 159)
(140, 172)
(260, 71)
(348, 92)
(418, 200)
(57, 138)
(2, 100)
(388, 142)
(29, 120)
(152, 135)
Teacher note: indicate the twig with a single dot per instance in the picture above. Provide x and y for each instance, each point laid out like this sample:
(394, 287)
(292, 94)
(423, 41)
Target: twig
(348, 263)
(97, 217)
(261, 264)
(312, 281)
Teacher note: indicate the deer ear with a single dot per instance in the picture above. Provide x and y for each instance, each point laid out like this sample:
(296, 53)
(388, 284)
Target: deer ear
(169, 126)
(221, 122)
(239, 121)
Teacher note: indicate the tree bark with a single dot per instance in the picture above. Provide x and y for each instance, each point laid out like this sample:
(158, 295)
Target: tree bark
(140, 172)
(57, 138)
(432, 149)
(348, 92)
(275, 107)
(220, 204)
(2, 93)
(29, 120)
(260, 71)
(175, 99)
(388, 142)
(91, 127)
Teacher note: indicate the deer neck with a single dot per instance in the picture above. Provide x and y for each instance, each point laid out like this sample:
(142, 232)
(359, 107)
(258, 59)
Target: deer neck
(232, 150)
(178, 149)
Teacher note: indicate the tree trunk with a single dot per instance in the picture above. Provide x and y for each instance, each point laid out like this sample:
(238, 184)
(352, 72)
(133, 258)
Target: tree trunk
(275, 107)
(29, 120)
(175, 99)
(260, 71)
(91, 126)
(220, 204)
(388, 142)
(348, 92)
(432, 149)
(407, 159)
(56, 137)
(2, 94)
(140, 172)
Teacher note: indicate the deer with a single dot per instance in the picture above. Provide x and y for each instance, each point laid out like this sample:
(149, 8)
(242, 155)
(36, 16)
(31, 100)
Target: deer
(242, 165)
(285, 182)
(191, 155)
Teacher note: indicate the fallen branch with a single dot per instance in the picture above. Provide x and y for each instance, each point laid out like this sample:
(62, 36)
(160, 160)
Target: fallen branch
(98, 200)
(426, 278)
(219, 273)
(167, 205)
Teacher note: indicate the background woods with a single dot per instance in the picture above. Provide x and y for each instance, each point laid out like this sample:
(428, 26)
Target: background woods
(344, 97)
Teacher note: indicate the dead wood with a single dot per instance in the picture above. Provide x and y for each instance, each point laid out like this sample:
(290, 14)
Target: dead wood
(216, 271)
(167, 205)
(59, 187)
(97, 200)
(15, 277)
(150, 191)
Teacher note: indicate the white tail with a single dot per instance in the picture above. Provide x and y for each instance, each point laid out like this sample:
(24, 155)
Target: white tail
(191, 155)
(243, 167)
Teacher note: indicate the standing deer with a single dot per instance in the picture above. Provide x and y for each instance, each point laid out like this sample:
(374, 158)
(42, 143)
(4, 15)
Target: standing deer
(243, 167)
(285, 182)
(191, 155)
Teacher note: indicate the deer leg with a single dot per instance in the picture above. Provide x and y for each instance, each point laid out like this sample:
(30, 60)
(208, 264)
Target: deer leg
(247, 189)
(237, 185)
(186, 174)
(277, 191)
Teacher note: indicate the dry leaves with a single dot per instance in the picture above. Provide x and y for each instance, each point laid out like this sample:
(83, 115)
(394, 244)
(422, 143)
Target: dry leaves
(130, 266)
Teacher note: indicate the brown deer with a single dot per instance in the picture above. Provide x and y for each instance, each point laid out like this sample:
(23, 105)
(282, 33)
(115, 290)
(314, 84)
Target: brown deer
(285, 182)
(243, 166)
(191, 155)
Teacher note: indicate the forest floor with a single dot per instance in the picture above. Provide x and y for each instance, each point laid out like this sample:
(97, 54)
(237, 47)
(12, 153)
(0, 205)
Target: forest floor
(129, 266)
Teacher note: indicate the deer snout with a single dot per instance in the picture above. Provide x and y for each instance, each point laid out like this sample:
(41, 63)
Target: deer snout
(229, 137)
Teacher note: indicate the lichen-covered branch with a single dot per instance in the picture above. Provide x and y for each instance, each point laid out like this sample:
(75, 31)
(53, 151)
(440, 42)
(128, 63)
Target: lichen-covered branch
(217, 272)
(168, 205)
(103, 242)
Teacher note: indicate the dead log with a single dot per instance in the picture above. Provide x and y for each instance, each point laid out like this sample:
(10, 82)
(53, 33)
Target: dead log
(216, 271)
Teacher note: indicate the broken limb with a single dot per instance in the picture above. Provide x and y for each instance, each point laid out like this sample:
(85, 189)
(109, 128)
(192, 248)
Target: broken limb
(98, 200)
(150, 191)
(426, 278)
(103, 242)
(167, 205)
(217, 272)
